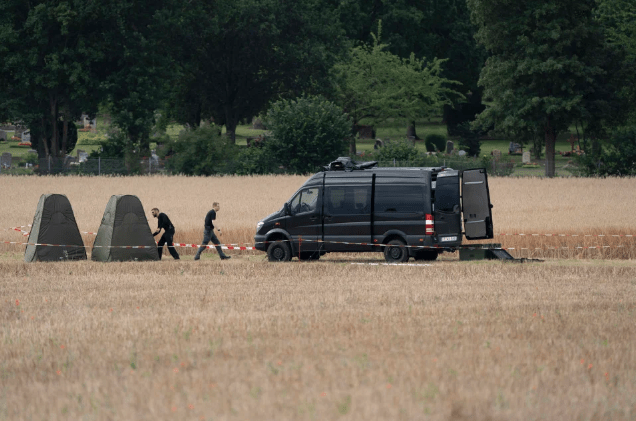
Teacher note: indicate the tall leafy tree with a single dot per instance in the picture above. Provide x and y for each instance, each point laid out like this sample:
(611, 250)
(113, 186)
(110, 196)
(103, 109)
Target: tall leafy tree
(47, 63)
(543, 64)
(138, 66)
(239, 55)
(618, 18)
(378, 85)
(439, 28)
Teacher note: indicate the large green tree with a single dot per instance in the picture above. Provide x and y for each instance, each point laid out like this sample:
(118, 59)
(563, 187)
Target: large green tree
(618, 18)
(543, 65)
(47, 66)
(59, 58)
(440, 28)
(376, 84)
(237, 56)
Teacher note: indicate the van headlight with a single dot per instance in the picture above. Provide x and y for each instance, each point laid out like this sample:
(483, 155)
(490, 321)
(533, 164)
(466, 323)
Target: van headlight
(259, 226)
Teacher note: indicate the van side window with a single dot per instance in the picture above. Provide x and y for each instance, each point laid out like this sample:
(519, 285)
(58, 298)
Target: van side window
(305, 202)
(401, 199)
(349, 200)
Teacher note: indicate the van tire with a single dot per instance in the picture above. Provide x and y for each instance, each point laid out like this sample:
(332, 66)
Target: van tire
(279, 251)
(428, 255)
(395, 252)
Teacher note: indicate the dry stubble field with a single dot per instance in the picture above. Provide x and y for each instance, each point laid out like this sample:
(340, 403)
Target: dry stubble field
(245, 339)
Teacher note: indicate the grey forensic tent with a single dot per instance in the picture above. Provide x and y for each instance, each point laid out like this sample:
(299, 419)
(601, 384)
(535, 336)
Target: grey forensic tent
(54, 223)
(124, 226)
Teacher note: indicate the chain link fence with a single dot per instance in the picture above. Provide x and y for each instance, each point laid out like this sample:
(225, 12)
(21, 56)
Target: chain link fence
(145, 166)
(100, 166)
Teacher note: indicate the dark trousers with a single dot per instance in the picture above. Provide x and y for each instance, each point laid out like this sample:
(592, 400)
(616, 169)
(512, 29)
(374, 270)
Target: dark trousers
(166, 238)
(208, 235)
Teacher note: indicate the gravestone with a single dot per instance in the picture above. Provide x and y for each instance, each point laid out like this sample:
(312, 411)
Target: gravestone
(82, 155)
(449, 147)
(514, 148)
(496, 153)
(257, 124)
(525, 158)
(3, 135)
(378, 144)
(462, 153)
(5, 160)
(366, 132)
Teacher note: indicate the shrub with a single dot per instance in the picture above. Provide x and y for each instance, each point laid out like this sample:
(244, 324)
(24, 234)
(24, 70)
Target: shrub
(469, 139)
(399, 150)
(203, 151)
(31, 158)
(435, 142)
(307, 133)
(502, 168)
(255, 160)
(617, 158)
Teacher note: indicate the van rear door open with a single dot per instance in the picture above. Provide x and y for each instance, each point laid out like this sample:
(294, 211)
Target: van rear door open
(476, 206)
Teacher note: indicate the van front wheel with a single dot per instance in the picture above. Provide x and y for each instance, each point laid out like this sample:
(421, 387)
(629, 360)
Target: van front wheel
(279, 251)
(395, 252)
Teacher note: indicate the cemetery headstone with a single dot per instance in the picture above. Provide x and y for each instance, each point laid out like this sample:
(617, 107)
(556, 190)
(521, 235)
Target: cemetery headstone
(5, 160)
(525, 158)
(461, 153)
(449, 147)
(3, 135)
(378, 144)
(496, 154)
(257, 124)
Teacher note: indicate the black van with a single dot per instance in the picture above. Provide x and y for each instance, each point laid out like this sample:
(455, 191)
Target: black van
(352, 207)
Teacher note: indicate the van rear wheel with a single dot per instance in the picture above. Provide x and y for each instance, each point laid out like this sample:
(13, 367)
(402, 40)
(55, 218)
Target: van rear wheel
(395, 252)
(279, 251)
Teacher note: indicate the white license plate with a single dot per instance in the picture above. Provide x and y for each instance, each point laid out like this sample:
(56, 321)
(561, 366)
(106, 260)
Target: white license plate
(443, 239)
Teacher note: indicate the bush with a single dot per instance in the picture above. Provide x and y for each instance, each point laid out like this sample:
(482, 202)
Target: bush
(31, 158)
(435, 143)
(469, 139)
(398, 150)
(307, 133)
(255, 160)
(203, 151)
(502, 168)
(617, 158)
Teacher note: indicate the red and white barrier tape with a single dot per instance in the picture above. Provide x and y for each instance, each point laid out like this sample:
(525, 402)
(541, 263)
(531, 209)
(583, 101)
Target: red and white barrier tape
(19, 229)
(209, 246)
(233, 247)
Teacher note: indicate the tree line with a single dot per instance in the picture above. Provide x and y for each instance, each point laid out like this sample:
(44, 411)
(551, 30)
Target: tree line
(530, 69)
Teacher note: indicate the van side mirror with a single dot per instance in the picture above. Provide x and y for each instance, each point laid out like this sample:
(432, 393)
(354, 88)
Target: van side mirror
(286, 210)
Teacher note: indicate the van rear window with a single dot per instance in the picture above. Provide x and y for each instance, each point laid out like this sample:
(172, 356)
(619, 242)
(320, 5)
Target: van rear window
(401, 199)
(447, 194)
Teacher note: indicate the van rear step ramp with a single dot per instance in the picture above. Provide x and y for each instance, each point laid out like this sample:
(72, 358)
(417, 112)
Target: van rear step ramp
(490, 252)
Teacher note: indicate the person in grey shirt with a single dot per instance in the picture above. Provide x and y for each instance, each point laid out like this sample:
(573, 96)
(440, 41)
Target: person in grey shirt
(208, 233)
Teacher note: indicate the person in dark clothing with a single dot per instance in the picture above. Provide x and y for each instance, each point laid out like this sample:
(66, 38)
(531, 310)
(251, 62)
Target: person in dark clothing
(208, 233)
(163, 222)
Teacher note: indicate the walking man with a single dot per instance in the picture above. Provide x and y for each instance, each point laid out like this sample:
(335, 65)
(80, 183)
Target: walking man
(168, 233)
(208, 234)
